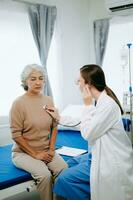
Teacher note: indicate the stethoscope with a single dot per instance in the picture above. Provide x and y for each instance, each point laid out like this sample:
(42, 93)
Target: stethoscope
(74, 125)
(70, 125)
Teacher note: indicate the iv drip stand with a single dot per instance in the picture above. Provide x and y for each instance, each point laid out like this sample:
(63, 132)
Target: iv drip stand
(130, 90)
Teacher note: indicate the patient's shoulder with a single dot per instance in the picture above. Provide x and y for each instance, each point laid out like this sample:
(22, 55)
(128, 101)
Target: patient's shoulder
(18, 101)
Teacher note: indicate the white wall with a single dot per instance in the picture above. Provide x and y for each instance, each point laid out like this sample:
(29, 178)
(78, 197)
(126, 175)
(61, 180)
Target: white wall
(74, 23)
(75, 45)
(113, 65)
(75, 39)
(75, 20)
(73, 30)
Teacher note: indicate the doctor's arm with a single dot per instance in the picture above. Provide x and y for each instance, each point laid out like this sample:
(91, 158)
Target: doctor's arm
(97, 121)
(62, 120)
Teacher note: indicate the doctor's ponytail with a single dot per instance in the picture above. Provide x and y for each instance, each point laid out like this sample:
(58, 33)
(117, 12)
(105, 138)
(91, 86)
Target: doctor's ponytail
(113, 96)
(94, 75)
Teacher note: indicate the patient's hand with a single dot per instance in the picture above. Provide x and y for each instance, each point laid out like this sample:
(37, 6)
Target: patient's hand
(51, 152)
(44, 156)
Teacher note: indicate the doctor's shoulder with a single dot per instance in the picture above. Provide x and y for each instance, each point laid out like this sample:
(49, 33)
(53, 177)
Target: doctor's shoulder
(111, 103)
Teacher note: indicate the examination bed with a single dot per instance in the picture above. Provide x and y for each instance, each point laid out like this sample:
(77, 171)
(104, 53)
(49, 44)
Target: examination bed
(14, 180)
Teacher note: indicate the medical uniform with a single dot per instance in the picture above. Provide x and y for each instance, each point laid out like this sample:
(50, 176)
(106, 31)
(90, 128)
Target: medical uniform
(111, 175)
(73, 183)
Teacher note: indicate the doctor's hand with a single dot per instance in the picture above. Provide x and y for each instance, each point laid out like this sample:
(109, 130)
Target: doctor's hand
(53, 112)
(86, 95)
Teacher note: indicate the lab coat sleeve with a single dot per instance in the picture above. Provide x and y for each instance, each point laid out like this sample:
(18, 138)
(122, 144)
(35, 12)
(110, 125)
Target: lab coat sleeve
(96, 121)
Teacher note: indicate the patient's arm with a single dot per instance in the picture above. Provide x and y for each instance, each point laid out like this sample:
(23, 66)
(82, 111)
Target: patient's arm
(52, 141)
(40, 155)
(53, 138)
(25, 146)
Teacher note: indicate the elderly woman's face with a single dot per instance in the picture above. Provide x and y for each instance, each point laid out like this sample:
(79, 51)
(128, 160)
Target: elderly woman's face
(35, 82)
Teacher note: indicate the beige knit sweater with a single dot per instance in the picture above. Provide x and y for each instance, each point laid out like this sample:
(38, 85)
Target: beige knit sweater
(28, 118)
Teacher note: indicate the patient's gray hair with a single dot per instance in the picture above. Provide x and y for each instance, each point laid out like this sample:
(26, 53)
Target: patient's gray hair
(28, 70)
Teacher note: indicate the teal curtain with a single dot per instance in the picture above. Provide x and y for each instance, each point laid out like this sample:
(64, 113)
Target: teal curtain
(42, 19)
(101, 30)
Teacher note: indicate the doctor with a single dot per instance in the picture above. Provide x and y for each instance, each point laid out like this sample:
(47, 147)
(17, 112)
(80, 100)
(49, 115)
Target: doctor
(111, 173)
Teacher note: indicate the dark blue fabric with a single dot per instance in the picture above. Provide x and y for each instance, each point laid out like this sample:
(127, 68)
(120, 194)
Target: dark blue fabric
(71, 139)
(126, 124)
(10, 175)
(74, 182)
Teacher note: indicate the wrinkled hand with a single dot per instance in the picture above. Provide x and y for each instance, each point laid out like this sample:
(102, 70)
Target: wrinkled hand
(43, 155)
(51, 152)
(53, 112)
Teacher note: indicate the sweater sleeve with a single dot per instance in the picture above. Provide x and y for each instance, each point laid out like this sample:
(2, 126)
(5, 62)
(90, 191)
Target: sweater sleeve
(16, 120)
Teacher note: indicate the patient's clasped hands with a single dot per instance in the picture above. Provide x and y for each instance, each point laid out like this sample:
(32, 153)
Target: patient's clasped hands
(45, 156)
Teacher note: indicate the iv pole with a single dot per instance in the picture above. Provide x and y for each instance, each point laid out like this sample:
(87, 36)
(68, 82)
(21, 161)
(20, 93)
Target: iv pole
(130, 90)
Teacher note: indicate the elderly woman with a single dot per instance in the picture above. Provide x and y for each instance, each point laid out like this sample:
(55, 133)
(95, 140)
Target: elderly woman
(34, 132)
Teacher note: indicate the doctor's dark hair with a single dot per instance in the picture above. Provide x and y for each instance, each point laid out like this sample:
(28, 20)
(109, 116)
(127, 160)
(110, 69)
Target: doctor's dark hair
(94, 75)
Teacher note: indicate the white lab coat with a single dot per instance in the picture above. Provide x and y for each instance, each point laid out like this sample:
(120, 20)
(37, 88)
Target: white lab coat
(111, 175)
